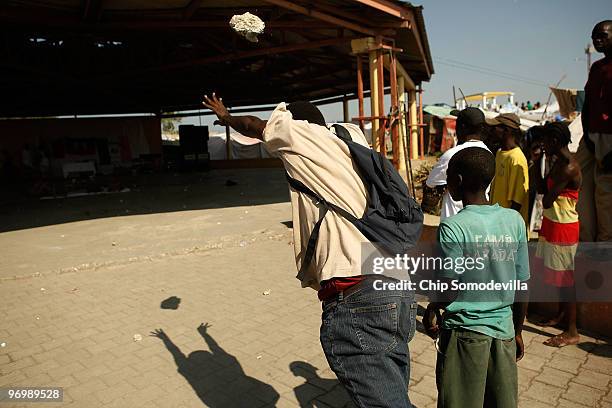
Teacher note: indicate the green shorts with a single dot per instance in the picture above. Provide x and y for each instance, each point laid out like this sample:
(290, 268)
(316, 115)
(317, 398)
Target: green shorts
(474, 370)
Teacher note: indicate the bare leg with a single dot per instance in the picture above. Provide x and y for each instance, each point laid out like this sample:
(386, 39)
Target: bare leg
(570, 335)
(560, 312)
(555, 320)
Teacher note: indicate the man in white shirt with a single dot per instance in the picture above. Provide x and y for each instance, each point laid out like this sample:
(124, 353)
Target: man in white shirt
(470, 128)
(364, 332)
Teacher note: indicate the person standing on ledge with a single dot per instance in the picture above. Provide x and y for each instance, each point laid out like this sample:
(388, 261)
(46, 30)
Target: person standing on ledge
(595, 149)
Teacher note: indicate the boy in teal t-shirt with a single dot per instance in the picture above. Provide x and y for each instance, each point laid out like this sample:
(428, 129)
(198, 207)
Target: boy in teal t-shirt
(479, 335)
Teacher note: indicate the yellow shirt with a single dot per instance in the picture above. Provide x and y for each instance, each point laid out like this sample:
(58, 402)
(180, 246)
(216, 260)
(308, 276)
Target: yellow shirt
(313, 155)
(511, 182)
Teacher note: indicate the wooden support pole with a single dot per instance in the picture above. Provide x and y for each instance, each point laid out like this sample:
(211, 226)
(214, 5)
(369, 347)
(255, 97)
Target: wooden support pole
(394, 108)
(402, 123)
(381, 101)
(228, 143)
(374, 97)
(345, 110)
(421, 128)
(360, 90)
(414, 128)
(401, 73)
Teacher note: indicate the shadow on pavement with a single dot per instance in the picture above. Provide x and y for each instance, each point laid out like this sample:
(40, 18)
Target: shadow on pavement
(171, 303)
(601, 350)
(316, 391)
(157, 193)
(217, 377)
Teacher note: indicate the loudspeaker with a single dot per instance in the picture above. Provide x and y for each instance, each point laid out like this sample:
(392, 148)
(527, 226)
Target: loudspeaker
(194, 146)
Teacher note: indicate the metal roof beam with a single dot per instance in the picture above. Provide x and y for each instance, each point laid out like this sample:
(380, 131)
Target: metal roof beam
(92, 10)
(387, 7)
(322, 16)
(236, 56)
(191, 9)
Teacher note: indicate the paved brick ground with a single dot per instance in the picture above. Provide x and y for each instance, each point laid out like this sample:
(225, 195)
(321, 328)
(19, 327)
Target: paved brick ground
(77, 330)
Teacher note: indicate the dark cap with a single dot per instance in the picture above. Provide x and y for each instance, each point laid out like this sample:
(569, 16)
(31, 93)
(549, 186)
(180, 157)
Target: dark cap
(469, 117)
(559, 130)
(505, 119)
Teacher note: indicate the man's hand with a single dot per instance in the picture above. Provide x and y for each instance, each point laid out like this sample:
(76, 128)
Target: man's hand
(515, 206)
(520, 347)
(250, 126)
(431, 318)
(216, 105)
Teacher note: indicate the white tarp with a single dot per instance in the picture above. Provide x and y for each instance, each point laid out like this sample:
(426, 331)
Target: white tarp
(576, 130)
(538, 115)
(242, 147)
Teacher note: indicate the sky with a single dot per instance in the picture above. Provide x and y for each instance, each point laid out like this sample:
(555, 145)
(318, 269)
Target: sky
(492, 45)
(535, 41)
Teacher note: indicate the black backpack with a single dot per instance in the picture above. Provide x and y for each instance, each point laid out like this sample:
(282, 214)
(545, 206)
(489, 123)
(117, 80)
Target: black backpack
(393, 221)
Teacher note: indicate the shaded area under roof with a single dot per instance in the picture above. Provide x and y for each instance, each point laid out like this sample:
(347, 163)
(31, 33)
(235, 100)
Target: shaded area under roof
(65, 57)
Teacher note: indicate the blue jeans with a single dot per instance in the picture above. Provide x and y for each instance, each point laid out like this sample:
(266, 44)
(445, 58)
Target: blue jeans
(365, 338)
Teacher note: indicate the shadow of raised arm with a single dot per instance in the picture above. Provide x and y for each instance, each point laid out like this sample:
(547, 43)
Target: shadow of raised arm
(179, 358)
(212, 343)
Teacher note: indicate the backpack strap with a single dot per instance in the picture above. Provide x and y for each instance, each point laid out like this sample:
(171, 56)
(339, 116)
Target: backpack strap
(342, 133)
(314, 235)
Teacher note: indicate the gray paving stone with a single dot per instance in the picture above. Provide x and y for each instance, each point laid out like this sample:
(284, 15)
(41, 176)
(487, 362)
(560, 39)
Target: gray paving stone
(543, 393)
(84, 338)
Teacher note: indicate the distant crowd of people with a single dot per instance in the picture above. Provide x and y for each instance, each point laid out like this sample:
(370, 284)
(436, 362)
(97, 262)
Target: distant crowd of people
(529, 106)
(575, 189)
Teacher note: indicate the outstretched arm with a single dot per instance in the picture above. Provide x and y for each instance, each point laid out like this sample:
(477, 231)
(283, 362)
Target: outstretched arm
(250, 126)
(212, 343)
(179, 358)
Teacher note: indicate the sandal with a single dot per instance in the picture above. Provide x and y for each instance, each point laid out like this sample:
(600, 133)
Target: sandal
(562, 340)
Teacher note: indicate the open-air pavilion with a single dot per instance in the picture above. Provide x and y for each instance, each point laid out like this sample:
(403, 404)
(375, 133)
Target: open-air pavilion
(69, 58)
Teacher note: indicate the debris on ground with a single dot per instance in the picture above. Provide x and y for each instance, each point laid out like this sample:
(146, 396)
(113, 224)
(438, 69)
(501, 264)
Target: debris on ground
(3, 344)
(422, 173)
(230, 183)
(266, 292)
(137, 337)
(247, 25)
